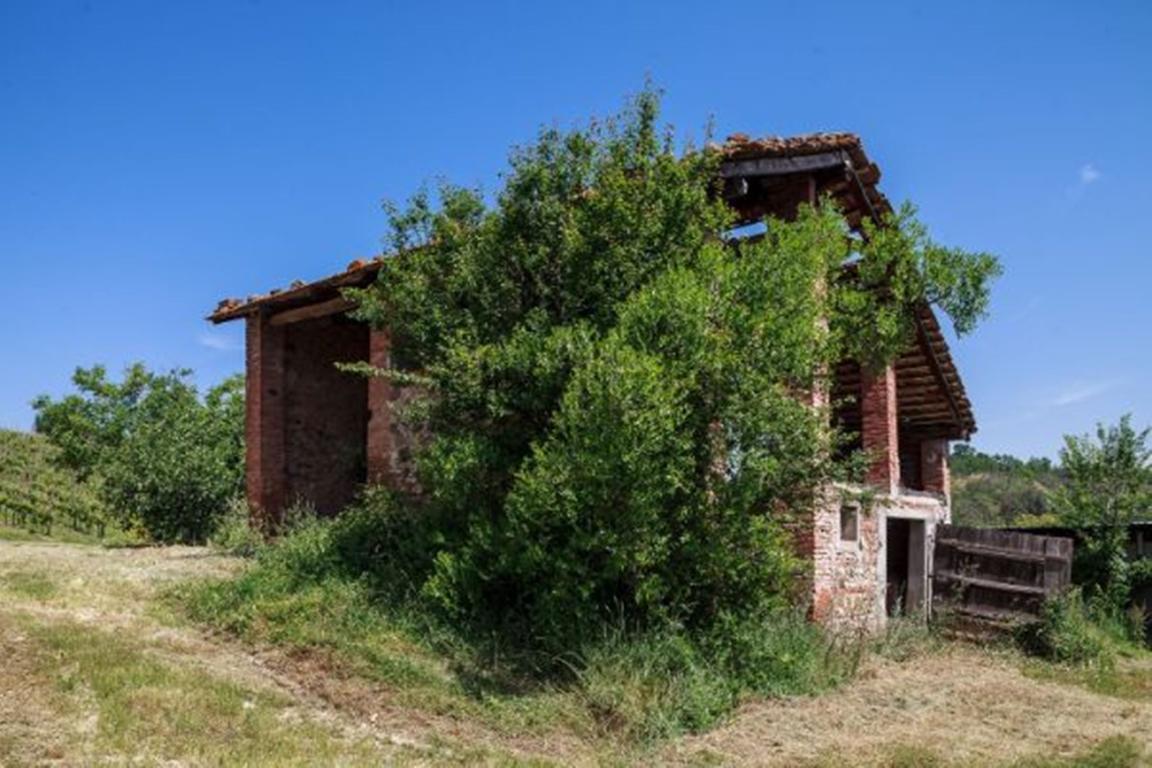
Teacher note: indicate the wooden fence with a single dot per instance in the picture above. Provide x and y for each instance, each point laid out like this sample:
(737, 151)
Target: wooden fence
(987, 579)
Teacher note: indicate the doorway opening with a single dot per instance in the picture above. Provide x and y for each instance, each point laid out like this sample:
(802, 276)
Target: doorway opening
(325, 412)
(906, 567)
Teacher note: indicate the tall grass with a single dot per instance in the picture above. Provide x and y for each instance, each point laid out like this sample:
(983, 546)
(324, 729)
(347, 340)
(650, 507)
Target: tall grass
(327, 587)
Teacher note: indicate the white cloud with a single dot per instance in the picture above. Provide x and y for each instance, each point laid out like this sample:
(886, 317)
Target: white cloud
(1088, 174)
(217, 341)
(1078, 393)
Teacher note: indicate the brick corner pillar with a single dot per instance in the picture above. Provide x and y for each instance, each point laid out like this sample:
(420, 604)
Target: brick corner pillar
(264, 468)
(934, 470)
(878, 429)
(380, 395)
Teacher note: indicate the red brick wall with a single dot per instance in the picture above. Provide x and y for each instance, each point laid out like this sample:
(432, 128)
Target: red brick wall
(264, 417)
(380, 395)
(878, 427)
(391, 440)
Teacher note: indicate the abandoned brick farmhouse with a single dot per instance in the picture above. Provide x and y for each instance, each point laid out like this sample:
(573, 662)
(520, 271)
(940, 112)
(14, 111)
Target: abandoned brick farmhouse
(316, 433)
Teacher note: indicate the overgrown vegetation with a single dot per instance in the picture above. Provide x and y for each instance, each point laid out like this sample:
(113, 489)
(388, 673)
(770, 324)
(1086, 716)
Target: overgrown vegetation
(39, 495)
(1101, 485)
(1108, 487)
(166, 460)
(614, 390)
(329, 587)
(618, 435)
(1069, 633)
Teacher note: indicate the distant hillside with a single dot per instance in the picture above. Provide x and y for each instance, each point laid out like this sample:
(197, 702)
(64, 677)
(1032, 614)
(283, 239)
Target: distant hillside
(1000, 490)
(38, 495)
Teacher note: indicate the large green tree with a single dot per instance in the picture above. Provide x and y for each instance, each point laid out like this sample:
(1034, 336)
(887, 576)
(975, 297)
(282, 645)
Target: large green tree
(616, 392)
(168, 459)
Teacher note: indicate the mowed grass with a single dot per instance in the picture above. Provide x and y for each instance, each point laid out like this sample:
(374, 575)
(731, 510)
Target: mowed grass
(1113, 752)
(127, 703)
(35, 585)
(94, 673)
(1131, 679)
(59, 534)
(97, 671)
(103, 696)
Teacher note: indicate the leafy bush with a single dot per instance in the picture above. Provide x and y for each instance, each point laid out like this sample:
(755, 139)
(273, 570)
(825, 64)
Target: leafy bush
(613, 389)
(168, 460)
(1068, 634)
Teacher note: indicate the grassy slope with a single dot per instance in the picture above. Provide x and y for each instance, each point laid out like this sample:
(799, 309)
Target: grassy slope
(38, 496)
(304, 593)
(98, 671)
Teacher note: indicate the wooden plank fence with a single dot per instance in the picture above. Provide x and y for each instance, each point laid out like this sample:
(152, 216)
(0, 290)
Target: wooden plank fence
(985, 579)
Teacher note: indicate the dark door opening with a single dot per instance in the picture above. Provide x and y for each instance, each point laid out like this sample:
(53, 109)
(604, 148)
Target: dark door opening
(325, 412)
(906, 567)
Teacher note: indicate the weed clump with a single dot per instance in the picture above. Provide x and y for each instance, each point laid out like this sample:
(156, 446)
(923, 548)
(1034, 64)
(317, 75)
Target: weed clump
(1069, 633)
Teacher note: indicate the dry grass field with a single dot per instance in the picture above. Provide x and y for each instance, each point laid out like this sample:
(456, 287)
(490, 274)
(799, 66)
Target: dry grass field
(97, 671)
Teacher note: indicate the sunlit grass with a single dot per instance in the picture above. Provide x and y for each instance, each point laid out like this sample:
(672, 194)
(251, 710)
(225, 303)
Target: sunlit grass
(154, 711)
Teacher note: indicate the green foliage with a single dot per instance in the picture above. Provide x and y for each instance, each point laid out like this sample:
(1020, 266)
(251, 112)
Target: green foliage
(236, 532)
(1108, 486)
(39, 495)
(1068, 634)
(899, 267)
(613, 389)
(327, 586)
(168, 460)
(664, 683)
(1000, 490)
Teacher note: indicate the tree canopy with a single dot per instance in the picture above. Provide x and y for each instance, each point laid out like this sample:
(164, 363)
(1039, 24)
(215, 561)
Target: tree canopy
(168, 459)
(616, 391)
(1108, 486)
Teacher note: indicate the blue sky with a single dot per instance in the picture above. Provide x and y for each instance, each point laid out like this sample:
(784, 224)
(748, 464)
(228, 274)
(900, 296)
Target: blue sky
(156, 157)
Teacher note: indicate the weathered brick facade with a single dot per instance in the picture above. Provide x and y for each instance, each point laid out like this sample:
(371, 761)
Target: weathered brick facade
(878, 428)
